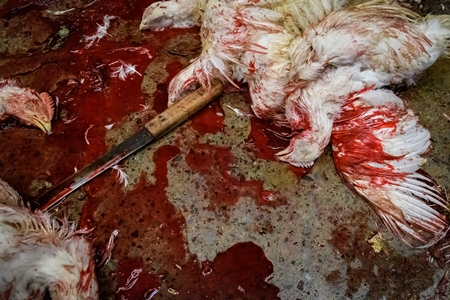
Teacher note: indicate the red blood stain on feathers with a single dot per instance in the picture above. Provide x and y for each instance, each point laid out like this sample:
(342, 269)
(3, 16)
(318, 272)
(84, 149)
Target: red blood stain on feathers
(266, 139)
(353, 162)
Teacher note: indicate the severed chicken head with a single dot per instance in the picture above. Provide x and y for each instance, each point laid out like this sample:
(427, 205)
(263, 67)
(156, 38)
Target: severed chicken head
(25, 104)
(303, 150)
(178, 14)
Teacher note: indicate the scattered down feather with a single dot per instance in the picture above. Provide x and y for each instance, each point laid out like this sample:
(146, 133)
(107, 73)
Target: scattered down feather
(25, 104)
(39, 253)
(377, 146)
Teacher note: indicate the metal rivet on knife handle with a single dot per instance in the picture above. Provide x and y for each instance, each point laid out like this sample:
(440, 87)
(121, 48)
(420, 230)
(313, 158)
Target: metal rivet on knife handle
(182, 110)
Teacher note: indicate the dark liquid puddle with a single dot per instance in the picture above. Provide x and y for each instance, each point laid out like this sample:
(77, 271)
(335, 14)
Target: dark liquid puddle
(150, 224)
(223, 188)
(266, 139)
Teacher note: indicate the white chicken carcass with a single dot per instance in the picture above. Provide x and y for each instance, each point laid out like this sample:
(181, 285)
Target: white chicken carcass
(377, 146)
(217, 21)
(40, 254)
(225, 33)
(228, 29)
(25, 104)
(298, 14)
(383, 41)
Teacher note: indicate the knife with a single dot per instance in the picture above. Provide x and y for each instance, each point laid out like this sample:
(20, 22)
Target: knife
(157, 127)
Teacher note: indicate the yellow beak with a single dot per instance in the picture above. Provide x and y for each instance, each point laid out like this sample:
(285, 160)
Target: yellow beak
(44, 126)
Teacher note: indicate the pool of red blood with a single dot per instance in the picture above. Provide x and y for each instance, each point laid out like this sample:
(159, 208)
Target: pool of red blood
(223, 188)
(209, 120)
(160, 96)
(82, 81)
(90, 97)
(148, 222)
(267, 138)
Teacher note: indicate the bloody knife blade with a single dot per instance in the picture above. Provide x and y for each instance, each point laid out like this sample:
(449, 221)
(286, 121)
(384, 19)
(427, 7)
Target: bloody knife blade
(157, 127)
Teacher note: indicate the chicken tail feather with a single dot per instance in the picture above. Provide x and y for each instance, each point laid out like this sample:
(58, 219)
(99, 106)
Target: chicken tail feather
(377, 151)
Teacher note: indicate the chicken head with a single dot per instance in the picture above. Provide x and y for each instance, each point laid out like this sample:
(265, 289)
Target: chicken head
(25, 104)
(304, 148)
(178, 14)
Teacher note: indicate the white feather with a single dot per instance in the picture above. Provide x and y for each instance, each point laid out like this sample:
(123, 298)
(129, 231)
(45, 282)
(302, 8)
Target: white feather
(410, 202)
(39, 252)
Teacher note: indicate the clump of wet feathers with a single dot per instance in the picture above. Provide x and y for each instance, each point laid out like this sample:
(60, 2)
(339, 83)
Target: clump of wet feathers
(376, 124)
(39, 253)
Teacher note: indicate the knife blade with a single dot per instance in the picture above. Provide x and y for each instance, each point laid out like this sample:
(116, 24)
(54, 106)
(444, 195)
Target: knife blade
(154, 129)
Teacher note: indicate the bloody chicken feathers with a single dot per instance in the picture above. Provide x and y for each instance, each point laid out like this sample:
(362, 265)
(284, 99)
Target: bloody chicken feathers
(40, 253)
(406, 198)
(384, 44)
(309, 63)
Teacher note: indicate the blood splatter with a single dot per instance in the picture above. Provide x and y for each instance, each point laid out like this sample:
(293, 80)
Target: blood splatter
(266, 139)
(160, 96)
(209, 120)
(224, 188)
(151, 243)
(350, 241)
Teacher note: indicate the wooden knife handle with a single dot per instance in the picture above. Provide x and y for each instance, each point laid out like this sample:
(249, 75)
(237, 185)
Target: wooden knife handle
(182, 110)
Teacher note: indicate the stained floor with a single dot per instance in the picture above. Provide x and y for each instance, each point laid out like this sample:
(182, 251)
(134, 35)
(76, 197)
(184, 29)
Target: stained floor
(208, 213)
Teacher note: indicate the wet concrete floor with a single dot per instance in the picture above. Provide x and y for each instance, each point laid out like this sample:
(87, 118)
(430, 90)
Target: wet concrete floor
(208, 212)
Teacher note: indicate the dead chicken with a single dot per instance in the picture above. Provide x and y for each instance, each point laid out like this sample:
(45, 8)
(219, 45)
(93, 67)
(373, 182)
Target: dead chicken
(40, 254)
(388, 44)
(305, 79)
(228, 29)
(26, 105)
